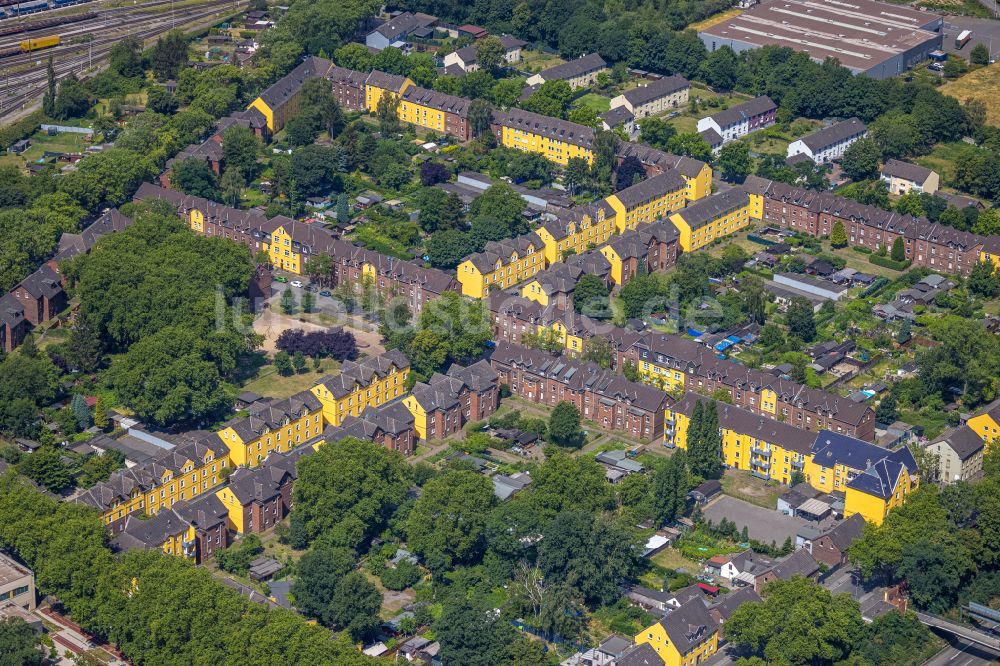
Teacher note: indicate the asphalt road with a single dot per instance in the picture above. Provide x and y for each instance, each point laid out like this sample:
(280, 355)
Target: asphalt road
(960, 653)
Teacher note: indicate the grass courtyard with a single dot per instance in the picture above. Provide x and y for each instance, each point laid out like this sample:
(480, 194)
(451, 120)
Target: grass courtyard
(982, 84)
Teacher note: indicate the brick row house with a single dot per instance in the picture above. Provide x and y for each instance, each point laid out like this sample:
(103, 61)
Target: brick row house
(442, 406)
(390, 425)
(602, 396)
(934, 246)
(354, 265)
(675, 363)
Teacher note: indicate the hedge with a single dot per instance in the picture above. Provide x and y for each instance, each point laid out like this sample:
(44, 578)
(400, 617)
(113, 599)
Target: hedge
(22, 129)
(886, 262)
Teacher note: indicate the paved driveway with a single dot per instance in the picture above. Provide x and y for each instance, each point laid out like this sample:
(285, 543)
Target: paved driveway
(762, 524)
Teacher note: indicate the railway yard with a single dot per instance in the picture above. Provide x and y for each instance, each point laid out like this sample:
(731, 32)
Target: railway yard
(85, 39)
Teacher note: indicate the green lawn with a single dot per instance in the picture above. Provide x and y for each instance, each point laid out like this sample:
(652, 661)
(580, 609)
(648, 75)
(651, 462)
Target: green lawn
(270, 383)
(598, 103)
(944, 158)
(536, 61)
(671, 558)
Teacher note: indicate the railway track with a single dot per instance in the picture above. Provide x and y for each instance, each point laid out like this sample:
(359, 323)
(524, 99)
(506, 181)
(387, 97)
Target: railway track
(29, 85)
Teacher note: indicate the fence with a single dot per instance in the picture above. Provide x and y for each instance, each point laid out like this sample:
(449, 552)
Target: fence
(67, 128)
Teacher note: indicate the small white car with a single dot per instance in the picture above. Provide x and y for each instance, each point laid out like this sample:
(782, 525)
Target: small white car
(296, 283)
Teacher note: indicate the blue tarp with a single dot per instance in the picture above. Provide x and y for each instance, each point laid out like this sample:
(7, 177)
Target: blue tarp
(724, 345)
(695, 333)
(734, 339)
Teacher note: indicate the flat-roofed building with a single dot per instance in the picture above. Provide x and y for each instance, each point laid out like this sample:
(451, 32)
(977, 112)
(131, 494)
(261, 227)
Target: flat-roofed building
(17, 583)
(868, 37)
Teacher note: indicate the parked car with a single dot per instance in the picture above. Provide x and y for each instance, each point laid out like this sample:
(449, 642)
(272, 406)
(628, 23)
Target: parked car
(296, 283)
(325, 292)
(311, 287)
(280, 278)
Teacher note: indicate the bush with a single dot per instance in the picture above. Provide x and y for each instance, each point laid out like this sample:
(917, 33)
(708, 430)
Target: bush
(236, 559)
(886, 262)
(403, 576)
(22, 129)
(862, 249)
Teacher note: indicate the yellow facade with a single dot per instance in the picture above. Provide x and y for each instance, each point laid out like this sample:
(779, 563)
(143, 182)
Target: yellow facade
(829, 479)
(507, 272)
(379, 392)
(571, 342)
(553, 150)
(194, 478)
(986, 427)
(423, 116)
(699, 186)
(292, 433)
(580, 236)
(664, 378)
(647, 213)
(990, 257)
(233, 507)
(265, 110)
(694, 238)
(616, 263)
(742, 451)
(373, 94)
(419, 415)
(174, 544)
(534, 291)
(281, 252)
(657, 637)
(873, 508)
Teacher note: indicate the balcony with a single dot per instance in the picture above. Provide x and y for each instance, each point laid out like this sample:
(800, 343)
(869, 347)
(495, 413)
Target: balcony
(760, 475)
(759, 464)
(760, 452)
(798, 464)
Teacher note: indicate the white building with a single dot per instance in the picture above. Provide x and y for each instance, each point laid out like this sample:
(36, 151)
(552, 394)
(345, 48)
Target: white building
(661, 95)
(829, 143)
(740, 120)
(465, 57)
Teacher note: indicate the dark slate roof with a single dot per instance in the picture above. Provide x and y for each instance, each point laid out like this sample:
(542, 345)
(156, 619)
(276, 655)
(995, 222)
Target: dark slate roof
(574, 68)
(272, 414)
(81, 243)
(440, 101)
(581, 376)
(711, 208)
(831, 448)
(345, 75)
(872, 217)
(617, 116)
(712, 138)
(689, 167)
(689, 625)
(552, 128)
(728, 604)
(740, 112)
(879, 479)
(258, 484)
(906, 171)
(834, 134)
(393, 82)
(845, 533)
(963, 441)
(362, 373)
(678, 352)
(403, 24)
(502, 251)
(43, 282)
(651, 189)
(640, 655)
(746, 422)
(668, 85)
(285, 88)
(799, 563)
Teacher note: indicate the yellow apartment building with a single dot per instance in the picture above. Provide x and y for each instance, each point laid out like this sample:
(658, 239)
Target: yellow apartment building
(194, 467)
(379, 83)
(281, 100)
(986, 424)
(716, 217)
(556, 139)
(649, 200)
(684, 637)
(501, 264)
(278, 425)
(435, 111)
(369, 383)
(766, 448)
(584, 228)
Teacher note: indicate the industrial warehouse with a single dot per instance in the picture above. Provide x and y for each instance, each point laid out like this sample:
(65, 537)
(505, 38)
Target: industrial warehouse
(873, 38)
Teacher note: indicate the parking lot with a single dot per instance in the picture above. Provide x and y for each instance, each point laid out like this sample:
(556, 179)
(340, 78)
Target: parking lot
(984, 31)
(762, 524)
